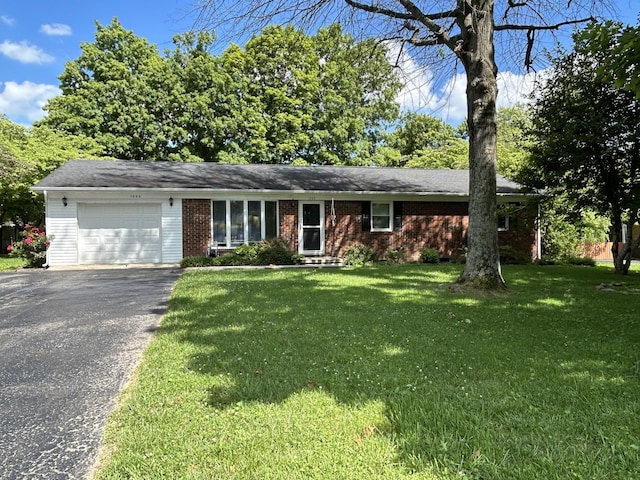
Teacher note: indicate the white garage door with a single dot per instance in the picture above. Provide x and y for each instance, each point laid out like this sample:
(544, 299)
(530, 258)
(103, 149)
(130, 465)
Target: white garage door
(109, 234)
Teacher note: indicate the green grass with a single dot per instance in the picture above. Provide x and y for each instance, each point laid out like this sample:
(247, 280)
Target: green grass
(383, 373)
(8, 263)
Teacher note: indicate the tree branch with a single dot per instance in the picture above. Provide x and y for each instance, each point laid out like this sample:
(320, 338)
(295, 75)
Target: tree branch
(382, 11)
(542, 27)
(401, 15)
(440, 34)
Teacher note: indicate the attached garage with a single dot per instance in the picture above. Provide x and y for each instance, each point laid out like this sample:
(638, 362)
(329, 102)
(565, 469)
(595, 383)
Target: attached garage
(119, 233)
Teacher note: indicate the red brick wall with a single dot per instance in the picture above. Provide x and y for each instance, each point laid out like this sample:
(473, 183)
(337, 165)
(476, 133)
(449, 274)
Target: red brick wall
(438, 225)
(196, 226)
(288, 210)
(521, 235)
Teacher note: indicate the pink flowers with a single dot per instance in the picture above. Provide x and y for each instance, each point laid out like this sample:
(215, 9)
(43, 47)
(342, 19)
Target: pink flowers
(32, 247)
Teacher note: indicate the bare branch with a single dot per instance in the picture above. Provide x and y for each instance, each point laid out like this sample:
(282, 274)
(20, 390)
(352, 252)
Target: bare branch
(555, 26)
(511, 4)
(440, 34)
(528, 62)
(382, 11)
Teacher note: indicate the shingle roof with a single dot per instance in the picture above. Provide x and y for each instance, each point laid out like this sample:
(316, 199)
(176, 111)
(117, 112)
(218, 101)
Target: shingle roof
(122, 174)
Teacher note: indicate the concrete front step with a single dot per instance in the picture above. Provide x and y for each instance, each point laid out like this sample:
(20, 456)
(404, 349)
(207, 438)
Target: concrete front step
(322, 261)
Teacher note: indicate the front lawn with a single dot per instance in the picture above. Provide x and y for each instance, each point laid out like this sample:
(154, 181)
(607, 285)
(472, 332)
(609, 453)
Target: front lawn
(383, 373)
(8, 263)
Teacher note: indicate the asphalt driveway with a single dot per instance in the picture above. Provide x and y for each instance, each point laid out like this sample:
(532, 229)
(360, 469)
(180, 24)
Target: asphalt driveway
(69, 340)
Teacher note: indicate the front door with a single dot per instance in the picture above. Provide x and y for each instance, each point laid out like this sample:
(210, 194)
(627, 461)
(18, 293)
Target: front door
(311, 234)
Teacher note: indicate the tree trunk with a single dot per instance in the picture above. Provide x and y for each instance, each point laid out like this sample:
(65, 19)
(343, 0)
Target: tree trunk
(482, 268)
(622, 256)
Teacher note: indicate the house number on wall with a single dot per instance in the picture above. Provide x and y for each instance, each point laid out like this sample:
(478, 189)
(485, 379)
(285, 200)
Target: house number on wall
(134, 195)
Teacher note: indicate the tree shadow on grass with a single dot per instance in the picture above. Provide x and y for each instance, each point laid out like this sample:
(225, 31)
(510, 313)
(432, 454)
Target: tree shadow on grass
(488, 387)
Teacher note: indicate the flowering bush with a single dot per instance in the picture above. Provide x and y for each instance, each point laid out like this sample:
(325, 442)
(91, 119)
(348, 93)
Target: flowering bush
(32, 247)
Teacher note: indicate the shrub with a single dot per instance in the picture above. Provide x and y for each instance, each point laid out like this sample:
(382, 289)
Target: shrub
(247, 253)
(430, 255)
(273, 252)
(358, 254)
(584, 261)
(199, 261)
(509, 255)
(547, 260)
(396, 255)
(32, 248)
(276, 252)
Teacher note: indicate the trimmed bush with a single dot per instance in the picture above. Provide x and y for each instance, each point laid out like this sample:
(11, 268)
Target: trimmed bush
(273, 252)
(199, 261)
(396, 256)
(358, 255)
(276, 252)
(430, 255)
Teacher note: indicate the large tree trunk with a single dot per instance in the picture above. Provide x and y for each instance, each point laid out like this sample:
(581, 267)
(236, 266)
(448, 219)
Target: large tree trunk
(482, 268)
(622, 255)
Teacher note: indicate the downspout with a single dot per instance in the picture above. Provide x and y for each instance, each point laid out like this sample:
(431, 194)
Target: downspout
(46, 216)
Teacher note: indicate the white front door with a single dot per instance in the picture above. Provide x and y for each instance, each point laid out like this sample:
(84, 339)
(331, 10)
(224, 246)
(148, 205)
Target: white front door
(311, 228)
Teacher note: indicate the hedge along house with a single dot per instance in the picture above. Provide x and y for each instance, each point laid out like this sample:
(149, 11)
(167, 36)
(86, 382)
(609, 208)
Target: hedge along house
(128, 212)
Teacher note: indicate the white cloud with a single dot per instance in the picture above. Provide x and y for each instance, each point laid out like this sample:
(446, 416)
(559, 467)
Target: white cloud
(7, 20)
(24, 52)
(57, 29)
(446, 98)
(23, 102)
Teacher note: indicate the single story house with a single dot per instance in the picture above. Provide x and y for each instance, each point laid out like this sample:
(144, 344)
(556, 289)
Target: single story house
(133, 212)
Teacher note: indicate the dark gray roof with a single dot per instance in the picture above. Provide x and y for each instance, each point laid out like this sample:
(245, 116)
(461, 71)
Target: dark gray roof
(212, 176)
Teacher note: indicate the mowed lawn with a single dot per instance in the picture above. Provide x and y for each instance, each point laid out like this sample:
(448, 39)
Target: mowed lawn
(383, 373)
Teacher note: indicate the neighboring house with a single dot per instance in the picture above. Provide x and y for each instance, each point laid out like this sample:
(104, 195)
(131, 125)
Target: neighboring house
(124, 212)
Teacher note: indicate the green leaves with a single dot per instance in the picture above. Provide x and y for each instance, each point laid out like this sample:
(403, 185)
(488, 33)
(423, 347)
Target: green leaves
(26, 156)
(588, 131)
(286, 97)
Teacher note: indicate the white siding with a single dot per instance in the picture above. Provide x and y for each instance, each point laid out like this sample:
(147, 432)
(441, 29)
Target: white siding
(62, 227)
(172, 232)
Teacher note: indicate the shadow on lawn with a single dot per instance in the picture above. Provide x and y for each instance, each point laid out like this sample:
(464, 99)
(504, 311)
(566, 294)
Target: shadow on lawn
(469, 383)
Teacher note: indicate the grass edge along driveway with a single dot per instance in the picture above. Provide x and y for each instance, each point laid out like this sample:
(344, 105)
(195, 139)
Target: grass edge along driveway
(383, 373)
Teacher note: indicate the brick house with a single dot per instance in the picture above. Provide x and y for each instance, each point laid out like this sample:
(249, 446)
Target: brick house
(124, 212)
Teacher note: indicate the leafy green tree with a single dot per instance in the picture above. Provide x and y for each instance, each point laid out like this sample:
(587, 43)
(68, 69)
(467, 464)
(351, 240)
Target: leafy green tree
(286, 97)
(622, 64)
(588, 144)
(26, 156)
(321, 99)
(424, 141)
(120, 92)
(513, 139)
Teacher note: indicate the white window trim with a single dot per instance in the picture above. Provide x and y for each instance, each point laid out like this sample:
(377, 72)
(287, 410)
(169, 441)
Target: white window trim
(503, 227)
(245, 220)
(389, 228)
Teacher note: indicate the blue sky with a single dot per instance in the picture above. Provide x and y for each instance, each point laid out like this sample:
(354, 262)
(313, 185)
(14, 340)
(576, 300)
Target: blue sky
(38, 37)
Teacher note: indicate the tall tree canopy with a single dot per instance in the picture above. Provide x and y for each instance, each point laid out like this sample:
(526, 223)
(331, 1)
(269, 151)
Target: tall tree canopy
(463, 28)
(622, 64)
(118, 92)
(26, 156)
(424, 141)
(285, 97)
(588, 146)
